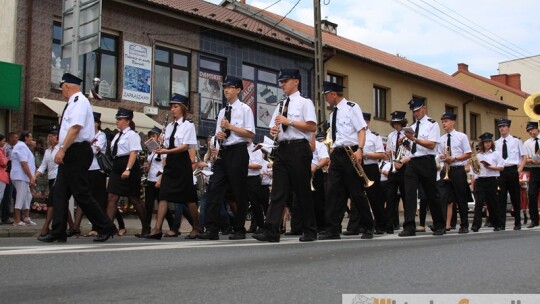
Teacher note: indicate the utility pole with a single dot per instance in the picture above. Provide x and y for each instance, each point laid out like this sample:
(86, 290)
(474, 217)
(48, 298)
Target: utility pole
(320, 104)
(75, 39)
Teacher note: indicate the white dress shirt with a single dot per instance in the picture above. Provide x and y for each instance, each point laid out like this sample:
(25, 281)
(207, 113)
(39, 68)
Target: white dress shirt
(78, 112)
(185, 133)
(373, 144)
(99, 145)
(319, 153)
(515, 149)
(255, 158)
(530, 150)
(300, 109)
(241, 117)
(129, 141)
(349, 121)
(48, 164)
(266, 174)
(428, 130)
(460, 145)
(494, 158)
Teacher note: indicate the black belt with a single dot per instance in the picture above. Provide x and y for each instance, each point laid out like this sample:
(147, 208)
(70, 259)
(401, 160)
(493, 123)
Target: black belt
(423, 157)
(457, 167)
(234, 146)
(292, 141)
(510, 167)
(342, 149)
(486, 177)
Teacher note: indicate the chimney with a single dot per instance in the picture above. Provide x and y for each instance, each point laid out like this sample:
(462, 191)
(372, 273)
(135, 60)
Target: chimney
(462, 67)
(329, 27)
(511, 80)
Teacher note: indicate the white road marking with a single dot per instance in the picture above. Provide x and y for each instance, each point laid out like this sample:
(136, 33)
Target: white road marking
(161, 245)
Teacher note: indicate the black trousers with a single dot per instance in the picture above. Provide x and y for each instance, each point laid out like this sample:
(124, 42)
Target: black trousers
(230, 171)
(343, 183)
(292, 172)
(458, 188)
(72, 179)
(396, 181)
(534, 185)
(509, 183)
(376, 200)
(319, 182)
(422, 171)
(255, 199)
(485, 190)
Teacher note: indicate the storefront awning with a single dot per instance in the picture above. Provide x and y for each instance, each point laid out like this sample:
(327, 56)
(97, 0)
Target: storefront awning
(143, 123)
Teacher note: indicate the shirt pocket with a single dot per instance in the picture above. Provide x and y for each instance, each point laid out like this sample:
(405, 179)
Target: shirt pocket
(344, 125)
(237, 119)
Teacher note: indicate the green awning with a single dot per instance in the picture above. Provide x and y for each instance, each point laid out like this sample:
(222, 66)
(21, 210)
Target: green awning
(10, 86)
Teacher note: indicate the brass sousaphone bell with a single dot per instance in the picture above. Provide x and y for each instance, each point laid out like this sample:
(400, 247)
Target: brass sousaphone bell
(531, 106)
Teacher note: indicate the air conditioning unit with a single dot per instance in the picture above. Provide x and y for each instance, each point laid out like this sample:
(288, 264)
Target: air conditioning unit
(150, 110)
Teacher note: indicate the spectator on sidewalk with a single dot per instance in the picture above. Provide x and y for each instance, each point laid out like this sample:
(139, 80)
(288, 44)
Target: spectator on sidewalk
(23, 166)
(7, 204)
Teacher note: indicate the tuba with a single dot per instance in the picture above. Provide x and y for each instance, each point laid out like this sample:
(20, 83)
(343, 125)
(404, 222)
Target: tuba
(531, 106)
(475, 163)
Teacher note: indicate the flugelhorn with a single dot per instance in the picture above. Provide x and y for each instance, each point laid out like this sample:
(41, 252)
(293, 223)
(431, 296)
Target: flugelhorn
(447, 165)
(475, 163)
(358, 167)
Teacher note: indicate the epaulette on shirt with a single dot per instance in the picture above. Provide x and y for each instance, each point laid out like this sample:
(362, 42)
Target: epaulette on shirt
(431, 120)
(190, 120)
(76, 98)
(375, 133)
(351, 104)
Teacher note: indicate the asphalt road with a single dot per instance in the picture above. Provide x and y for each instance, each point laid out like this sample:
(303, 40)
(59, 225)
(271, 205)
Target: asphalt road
(179, 271)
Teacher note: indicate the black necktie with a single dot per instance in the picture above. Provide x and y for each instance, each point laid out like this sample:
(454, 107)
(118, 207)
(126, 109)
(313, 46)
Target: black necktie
(449, 145)
(536, 147)
(334, 124)
(505, 150)
(115, 145)
(285, 108)
(62, 117)
(413, 150)
(228, 118)
(171, 139)
(397, 143)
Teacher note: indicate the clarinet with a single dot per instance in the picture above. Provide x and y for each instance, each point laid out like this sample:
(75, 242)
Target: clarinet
(162, 137)
(227, 114)
(272, 155)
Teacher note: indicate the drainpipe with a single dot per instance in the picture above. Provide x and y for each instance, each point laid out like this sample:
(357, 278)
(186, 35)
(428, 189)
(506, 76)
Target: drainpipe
(465, 116)
(28, 61)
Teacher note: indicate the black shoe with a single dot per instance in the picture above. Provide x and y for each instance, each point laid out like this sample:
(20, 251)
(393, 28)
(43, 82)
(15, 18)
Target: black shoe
(406, 233)
(49, 239)
(488, 224)
(155, 236)
(237, 236)
(214, 236)
(439, 232)
(532, 225)
(331, 236)
(367, 235)
(389, 231)
(502, 228)
(378, 231)
(350, 233)
(293, 233)
(105, 236)
(307, 238)
(431, 227)
(266, 237)
(517, 227)
(474, 229)
(73, 231)
(463, 230)
(497, 229)
(226, 231)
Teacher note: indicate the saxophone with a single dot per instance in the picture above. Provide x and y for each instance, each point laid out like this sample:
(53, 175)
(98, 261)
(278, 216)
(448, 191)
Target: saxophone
(475, 163)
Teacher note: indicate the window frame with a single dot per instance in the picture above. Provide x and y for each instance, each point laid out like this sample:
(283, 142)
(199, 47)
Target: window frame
(171, 66)
(379, 113)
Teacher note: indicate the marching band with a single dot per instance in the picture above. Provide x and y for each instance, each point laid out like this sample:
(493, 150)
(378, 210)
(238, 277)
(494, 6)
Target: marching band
(321, 176)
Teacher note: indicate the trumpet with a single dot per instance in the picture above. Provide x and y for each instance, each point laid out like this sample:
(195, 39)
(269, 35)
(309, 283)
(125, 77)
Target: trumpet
(358, 167)
(400, 153)
(447, 166)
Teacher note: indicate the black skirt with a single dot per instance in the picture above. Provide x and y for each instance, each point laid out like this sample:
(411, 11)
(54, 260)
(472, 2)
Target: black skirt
(177, 180)
(125, 187)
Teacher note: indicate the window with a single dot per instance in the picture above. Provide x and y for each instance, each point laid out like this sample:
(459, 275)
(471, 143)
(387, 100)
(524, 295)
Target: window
(334, 79)
(261, 93)
(450, 109)
(496, 134)
(171, 75)
(102, 63)
(473, 121)
(379, 98)
(211, 72)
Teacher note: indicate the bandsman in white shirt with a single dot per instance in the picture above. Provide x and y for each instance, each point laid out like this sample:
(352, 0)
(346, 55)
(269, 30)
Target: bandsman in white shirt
(348, 130)
(514, 157)
(319, 165)
(234, 127)
(292, 128)
(253, 186)
(373, 153)
(485, 183)
(422, 169)
(532, 148)
(454, 151)
(74, 158)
